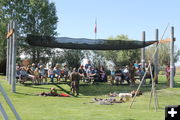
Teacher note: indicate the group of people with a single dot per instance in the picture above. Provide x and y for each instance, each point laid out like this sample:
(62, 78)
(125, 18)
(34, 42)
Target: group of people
(38, 74)
(92, 74)
(130, 73)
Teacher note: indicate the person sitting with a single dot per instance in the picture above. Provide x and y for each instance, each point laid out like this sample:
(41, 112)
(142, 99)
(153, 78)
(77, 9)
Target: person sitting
(82, 73)
(118, 76)
(66, 71)
(37, 75)
(141, 72)
(30, 74)
(23, 75)
(33, 67)
(57, 72)
(136, 65)
(132, 74)
(126, 75)
(42, 74)
(94, 75)
(88, 65)
(51, 74)
(112, 76)
(103, 76)
(89, 73)
(17, 72)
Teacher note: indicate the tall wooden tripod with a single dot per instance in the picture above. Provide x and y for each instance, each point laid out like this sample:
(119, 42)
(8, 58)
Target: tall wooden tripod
(153, 89)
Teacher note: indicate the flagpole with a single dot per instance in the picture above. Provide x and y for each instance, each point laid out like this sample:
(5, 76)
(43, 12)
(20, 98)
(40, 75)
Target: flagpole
(95, 29)
(95, 36)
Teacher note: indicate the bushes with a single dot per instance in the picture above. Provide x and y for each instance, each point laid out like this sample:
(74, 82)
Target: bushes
(3, 66)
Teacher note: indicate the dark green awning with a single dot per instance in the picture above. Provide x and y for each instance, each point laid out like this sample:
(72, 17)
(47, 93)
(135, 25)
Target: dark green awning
(85, 44)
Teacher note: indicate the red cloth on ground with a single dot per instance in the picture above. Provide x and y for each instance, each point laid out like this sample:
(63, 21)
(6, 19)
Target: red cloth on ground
(64, 95)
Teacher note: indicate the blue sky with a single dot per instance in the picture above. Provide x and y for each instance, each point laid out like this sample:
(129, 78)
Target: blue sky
(130, 17)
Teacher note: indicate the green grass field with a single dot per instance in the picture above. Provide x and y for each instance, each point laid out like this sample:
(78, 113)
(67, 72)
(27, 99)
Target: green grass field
(33, 107)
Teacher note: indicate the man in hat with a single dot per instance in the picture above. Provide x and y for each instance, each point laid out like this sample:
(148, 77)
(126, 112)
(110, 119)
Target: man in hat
(75, 77)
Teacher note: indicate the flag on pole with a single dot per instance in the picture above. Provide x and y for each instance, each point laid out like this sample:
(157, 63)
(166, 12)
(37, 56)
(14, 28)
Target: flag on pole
(95, 28)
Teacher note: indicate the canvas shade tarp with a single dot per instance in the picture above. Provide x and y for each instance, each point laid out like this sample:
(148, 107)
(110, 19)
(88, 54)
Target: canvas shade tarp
(85, 44)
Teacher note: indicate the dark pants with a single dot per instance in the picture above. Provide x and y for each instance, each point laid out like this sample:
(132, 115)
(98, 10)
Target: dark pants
(75, 87)
(52, 77)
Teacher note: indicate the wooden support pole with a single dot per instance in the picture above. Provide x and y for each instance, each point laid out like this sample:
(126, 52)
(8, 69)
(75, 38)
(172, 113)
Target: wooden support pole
(153, 89)
(150, 97)
(142, 80)
(172, 67)
(143, 50)
(7, 55)
(156, 70)
(143, 53)
(10, 55)
(13, 67)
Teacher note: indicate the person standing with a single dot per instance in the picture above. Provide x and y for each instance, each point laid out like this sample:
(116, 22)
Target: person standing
(75, 77)
(168, 70)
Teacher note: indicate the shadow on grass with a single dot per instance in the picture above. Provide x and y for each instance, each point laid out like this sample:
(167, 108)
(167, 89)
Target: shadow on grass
(99, 89)
(26, 94)
(64, 90)
(105, 88)
(47, 88)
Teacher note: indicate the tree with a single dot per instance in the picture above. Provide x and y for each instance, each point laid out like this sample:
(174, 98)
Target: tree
(164, 53)
(33, 17)
(2, 47)
(72, 58)
(41, 20)
(122, 57)
(2, 41)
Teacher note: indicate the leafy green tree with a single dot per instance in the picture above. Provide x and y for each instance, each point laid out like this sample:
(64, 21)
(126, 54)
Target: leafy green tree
(72, 58)
(33, 17)
(2, 41)
(121, 57)
(164, 53)
(41, 20)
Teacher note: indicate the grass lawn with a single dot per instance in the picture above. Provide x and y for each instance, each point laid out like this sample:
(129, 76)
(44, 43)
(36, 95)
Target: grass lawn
(33, 107)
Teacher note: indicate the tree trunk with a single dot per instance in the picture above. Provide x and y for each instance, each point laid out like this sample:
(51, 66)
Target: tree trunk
(38, 55)
(34, 56)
